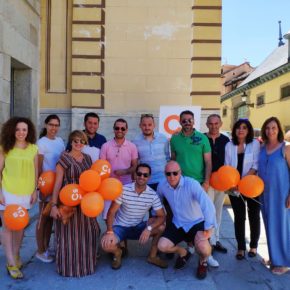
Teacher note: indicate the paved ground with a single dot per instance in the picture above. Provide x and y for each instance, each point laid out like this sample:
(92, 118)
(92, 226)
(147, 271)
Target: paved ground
(135, 273)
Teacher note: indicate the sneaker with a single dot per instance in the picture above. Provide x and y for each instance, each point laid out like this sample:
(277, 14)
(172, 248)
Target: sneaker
(181, 261)
(201, 270)
(117, 260)
(44, 257)
(157, 262)
(220, 248)
(213, 262)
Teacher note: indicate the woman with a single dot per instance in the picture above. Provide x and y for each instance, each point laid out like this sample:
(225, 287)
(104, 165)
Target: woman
(242, 153)
(50, 148)
(274, 163)
(18, 179)
(76, 241)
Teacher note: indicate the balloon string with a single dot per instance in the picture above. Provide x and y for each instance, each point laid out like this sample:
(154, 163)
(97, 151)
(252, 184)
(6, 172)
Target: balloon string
(252, 199)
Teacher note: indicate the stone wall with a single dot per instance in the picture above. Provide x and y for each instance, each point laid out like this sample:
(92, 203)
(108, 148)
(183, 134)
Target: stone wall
(19, 51)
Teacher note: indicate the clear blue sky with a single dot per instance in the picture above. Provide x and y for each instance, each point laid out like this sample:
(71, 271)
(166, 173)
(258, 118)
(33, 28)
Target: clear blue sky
(250, 29)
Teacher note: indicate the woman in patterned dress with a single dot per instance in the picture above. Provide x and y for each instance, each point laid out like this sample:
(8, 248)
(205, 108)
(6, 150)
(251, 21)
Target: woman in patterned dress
(76, 249)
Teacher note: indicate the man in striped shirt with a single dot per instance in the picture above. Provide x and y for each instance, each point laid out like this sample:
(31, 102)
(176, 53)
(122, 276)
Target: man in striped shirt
(125, 219)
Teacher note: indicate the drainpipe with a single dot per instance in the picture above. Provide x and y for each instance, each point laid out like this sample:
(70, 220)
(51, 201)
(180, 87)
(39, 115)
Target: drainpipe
(287, 36)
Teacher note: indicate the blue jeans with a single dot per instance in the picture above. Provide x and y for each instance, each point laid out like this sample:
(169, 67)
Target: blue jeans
(129, 233)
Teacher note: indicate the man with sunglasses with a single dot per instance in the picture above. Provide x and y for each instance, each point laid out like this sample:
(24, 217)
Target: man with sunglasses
(153, 149)
(191, 149)
(126, 219)
(193, 218)
(122, 155)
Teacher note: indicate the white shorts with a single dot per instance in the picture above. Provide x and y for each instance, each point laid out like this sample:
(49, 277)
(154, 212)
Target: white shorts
(10, 198)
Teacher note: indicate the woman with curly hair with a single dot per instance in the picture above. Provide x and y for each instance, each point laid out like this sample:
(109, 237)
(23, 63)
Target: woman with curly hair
(18, 179)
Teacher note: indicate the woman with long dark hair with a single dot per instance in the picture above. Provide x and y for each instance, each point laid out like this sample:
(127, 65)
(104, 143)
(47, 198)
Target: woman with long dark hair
(274, 164)
(242, 153)
(18, 180)
(50, 147)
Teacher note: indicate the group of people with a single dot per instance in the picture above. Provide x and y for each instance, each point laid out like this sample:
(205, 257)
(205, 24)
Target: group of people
(167, 179)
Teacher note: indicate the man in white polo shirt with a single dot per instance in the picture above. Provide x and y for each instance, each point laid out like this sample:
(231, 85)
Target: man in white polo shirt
(125, 219)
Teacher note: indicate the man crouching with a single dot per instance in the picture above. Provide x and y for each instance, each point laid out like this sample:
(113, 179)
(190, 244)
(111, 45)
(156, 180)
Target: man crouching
(193, 218)
(125, 220)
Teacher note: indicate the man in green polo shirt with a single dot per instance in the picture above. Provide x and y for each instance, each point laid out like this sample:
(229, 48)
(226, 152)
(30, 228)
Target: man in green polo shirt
(191, 149)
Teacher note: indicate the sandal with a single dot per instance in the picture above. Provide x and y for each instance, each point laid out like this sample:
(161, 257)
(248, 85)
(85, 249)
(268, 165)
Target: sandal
(240, 255)
(18, 262)
(14, 272)
(279, 270)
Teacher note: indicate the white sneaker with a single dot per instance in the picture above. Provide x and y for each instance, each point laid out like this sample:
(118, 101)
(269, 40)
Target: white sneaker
(212, 262)
(44, 257)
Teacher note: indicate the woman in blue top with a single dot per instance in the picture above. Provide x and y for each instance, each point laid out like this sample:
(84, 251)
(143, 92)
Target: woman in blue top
(274, 163)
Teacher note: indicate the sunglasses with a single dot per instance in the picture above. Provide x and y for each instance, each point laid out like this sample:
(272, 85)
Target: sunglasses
(119, 128)
(78, 141)
(146, 175)
(169, 173)
(185, 121)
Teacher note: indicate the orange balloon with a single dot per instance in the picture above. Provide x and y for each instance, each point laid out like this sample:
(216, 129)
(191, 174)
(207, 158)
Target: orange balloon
(110, 188)
(215, 182)
(46, 182)
(92, 204)
(251, 186)
(228, 176)
(103, 167)
(15, 217)
(71, 194)
(90, 180)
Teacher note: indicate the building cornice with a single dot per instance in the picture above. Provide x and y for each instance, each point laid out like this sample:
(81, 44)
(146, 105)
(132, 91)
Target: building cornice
(285, 68)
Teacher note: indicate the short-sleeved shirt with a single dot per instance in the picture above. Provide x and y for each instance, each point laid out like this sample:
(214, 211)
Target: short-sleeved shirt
(218, 151)
(120, 157)
(51, 150)
(135, 206)
(155, 153)
(18, 175)
(189, 151)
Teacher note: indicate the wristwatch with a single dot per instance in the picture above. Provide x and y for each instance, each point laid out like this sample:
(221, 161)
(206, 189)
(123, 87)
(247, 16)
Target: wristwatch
(149, 228)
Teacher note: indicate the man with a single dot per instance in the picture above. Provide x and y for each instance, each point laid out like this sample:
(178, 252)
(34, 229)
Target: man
(91, 123)
(153, 149)
(191, 149)
(126, 215)
(122, 155)
(218, 143)
(193, 218)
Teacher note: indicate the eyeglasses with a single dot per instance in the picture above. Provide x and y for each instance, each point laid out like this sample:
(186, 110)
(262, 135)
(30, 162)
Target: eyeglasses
(79, 141)
(184, 121)
(146, 175)
(53, 125)
(119, 128)
(169, 173)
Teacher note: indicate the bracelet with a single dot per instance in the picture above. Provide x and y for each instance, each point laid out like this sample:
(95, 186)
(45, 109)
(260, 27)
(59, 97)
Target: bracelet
(109, 232)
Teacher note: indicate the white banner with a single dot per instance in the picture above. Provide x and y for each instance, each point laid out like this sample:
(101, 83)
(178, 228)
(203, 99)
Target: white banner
(169, 118)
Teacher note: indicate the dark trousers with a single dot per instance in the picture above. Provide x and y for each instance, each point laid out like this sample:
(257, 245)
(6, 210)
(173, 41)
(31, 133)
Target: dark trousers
(239, 208)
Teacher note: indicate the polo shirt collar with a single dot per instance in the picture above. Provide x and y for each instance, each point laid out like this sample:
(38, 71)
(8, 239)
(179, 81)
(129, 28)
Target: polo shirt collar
(193, 133)
(117, 145)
